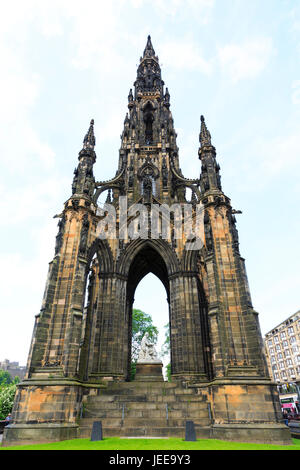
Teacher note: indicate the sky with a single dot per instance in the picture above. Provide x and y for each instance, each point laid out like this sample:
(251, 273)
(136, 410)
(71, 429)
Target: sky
(65, 62)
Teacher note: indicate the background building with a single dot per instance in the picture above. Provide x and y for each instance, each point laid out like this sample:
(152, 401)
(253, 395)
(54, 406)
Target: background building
(282, 346)
(13, 368)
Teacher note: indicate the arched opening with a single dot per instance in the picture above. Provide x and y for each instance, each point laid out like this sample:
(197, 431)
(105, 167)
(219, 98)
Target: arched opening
(99, 260)
(148, 120)
(87, 318)
(151, 298)
(147, 287)
(106, 340)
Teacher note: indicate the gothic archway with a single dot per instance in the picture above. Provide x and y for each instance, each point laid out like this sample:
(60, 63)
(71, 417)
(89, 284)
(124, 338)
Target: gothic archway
(147, 260)
(189, 336)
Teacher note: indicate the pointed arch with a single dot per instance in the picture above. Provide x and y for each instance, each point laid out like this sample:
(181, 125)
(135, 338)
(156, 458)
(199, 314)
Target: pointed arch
(104, 255)
(162, 247)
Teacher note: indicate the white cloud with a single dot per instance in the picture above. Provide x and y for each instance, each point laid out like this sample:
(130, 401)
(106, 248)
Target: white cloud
(19, 93)
(274, 309)
(188, 153)
(21, 292)
(201, 8)
(280, 154)
(296, 92)
(22, 204)
(245, 61)
(294, 16)
(185, 55)
(266, 160)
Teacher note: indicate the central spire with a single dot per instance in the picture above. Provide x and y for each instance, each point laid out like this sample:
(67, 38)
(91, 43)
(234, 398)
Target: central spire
(149, 73)
(149, 51)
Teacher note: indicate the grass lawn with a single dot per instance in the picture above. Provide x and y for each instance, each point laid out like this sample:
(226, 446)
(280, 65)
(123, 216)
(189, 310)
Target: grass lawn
(115, 443)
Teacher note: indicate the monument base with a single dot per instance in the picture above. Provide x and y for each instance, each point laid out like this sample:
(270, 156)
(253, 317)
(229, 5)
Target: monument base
(149, 371)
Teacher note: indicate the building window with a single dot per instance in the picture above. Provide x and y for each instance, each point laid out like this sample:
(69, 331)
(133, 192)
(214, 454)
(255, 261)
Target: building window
(285, 344)
(290, 330)
(277, 347)
(279, 355)
(287, 353)
(283, 335)
(293, 340)
(270, 342)
(273, 360)
(289, 362)
(271, 350)
(281, 365)
(276, 340)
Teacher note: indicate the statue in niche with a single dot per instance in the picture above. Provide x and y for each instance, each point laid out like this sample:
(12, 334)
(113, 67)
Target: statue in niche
(84, 234)
(165, 173)
(148, 352)
(59, 237)
(147, 187)
(208, 233)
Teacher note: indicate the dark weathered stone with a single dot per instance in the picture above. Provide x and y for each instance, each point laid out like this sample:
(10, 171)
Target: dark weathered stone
(216, 346)
(190, 433)
(97, 431)
(149, 372)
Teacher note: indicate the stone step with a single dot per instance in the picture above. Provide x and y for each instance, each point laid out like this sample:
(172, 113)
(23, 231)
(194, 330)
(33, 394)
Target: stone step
(142, 387)
(116, 398)
(148, 408)
(156, 399)
(143, 407)
(202, 432)
(85, 433)
(149, 404)
(119, 394)
(143, 383)
(146, 414)
(142, 422)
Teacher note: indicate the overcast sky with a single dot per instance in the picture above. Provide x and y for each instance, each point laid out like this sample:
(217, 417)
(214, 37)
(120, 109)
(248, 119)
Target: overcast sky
(66, 62)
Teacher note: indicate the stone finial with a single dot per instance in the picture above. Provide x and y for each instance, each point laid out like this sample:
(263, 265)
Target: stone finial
(89, 141)
(149, 51)
(205, 137)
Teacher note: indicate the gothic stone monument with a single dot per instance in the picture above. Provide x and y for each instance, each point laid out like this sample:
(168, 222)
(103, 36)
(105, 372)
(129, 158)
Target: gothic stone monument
(81, 346)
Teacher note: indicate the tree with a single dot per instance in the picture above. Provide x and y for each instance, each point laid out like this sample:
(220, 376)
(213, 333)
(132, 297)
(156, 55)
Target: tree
(7, 395)
(5, 378)
(142, 323)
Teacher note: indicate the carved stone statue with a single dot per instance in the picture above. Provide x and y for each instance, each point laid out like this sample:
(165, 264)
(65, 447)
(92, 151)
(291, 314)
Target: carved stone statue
(148, 352)
(147, 187)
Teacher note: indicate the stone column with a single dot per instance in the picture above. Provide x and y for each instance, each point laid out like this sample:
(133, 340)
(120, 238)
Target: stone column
(234, 335)
(185, 331)
(110, 354)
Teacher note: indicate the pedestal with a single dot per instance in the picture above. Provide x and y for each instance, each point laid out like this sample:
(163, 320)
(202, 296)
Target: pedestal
(149, 371)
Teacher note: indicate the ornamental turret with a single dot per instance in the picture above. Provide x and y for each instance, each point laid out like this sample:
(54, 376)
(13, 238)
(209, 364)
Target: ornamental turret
(210, 178)
(84, 181)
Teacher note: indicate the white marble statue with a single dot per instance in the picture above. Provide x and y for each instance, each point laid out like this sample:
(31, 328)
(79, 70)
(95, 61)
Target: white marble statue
(148, 352)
